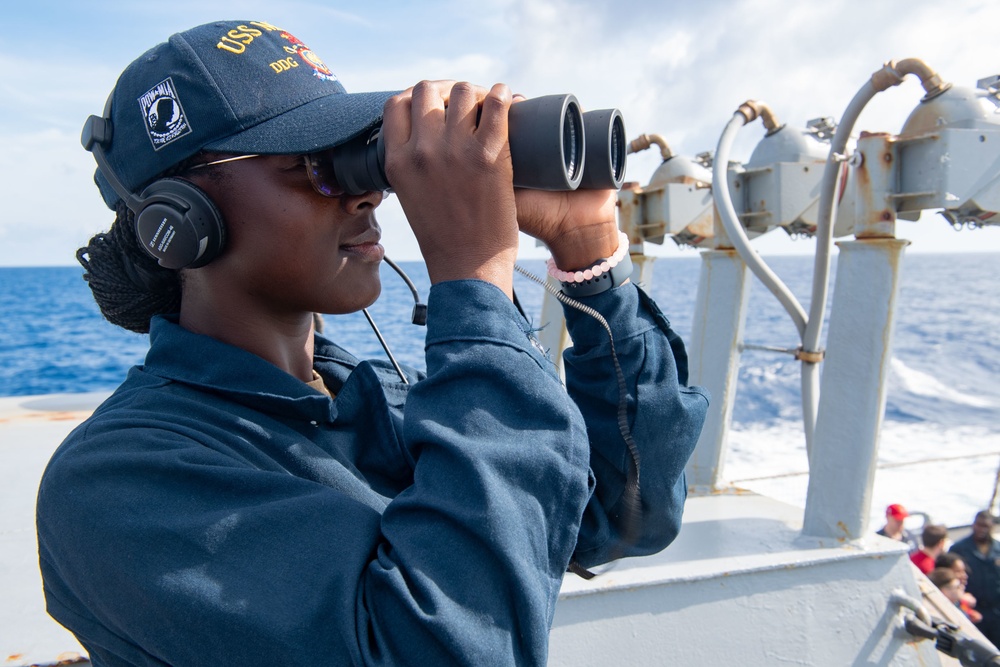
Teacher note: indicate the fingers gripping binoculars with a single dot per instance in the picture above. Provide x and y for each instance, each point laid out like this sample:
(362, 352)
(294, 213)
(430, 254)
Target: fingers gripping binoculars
(553, 146)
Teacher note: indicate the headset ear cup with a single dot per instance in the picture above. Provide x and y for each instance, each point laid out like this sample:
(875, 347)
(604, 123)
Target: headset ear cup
(178, 224)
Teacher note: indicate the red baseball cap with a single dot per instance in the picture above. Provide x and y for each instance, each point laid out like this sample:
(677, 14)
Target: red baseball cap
(897, 511)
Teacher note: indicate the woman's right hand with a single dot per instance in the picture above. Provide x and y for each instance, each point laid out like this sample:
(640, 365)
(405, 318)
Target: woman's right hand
(453, 176)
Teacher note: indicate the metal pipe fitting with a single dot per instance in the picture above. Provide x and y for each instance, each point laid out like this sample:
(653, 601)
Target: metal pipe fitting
(644, 141)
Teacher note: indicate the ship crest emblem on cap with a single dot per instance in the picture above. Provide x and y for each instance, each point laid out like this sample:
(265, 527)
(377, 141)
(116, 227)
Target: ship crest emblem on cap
(309, 57)
(164, 115)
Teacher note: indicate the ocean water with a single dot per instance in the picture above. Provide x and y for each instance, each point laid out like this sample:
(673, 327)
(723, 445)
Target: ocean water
(940, 445)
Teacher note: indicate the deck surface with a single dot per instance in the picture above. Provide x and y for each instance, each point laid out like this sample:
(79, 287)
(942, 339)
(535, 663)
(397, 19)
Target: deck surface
(31, 427)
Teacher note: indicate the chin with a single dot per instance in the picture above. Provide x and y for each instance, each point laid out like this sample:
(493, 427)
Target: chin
(374, 294)
(358, 298)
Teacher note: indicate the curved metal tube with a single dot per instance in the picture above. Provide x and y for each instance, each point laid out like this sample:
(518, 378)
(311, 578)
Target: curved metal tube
(809, 327)
(824, 238)
(891, 74)
(730, 220)
(644, 141)
(900, 598)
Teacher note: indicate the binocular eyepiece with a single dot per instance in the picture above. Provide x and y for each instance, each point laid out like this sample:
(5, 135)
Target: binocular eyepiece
(553, 146)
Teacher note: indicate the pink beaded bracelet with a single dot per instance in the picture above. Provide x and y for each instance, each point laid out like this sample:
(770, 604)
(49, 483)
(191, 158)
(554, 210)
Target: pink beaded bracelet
(603, 266)
(602, 276)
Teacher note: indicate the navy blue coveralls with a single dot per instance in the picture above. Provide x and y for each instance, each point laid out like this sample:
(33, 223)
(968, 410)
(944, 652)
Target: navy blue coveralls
(216, 510)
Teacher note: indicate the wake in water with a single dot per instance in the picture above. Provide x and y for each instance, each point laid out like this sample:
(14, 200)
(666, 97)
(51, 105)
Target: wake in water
(947, 473)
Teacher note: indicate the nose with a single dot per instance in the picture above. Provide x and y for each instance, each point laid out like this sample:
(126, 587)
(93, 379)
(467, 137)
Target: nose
(357, 203)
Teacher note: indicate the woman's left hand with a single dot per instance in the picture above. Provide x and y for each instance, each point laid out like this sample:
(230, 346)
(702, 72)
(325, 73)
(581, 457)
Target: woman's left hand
(578, 226)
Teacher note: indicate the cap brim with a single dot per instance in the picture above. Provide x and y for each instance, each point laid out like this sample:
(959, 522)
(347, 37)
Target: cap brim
(317, 125)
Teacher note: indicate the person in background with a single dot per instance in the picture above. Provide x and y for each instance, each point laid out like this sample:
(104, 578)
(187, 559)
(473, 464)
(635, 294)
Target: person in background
(254, 494)
(948, 583)
(981, 554)
(954, 562)
(894, 529)
(933, 544)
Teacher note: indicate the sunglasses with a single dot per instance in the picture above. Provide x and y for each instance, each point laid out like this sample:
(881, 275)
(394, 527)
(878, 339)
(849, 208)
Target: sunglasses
(319, 168)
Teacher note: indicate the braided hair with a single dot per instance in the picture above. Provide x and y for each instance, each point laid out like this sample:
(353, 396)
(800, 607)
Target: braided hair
(130, 287)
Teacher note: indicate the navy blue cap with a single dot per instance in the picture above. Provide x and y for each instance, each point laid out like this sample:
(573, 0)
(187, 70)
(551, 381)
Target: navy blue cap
(228, 86)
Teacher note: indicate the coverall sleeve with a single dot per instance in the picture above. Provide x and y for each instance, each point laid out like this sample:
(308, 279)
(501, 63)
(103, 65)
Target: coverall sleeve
(664, 416)
(475, 550)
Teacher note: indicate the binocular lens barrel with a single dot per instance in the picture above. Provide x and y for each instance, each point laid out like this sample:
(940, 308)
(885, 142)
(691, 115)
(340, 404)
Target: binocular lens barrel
(359, 165)
(553, 146)
(606, 147)
(547, 142)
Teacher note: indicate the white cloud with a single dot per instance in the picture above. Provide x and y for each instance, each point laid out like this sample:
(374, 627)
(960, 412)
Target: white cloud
(51, 204)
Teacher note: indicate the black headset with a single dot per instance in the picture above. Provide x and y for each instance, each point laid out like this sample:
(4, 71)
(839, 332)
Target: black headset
(175, 221)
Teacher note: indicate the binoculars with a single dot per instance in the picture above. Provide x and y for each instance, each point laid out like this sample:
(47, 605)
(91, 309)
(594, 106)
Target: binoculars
(553, 146)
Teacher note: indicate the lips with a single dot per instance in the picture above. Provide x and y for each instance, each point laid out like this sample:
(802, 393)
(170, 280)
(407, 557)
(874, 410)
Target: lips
(366, 245)
(371, 236)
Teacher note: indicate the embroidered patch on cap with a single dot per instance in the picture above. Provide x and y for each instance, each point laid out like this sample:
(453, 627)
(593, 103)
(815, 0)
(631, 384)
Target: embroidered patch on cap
(309, 57)
(165, 119)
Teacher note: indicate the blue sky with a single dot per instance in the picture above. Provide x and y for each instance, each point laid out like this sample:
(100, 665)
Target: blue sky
(675, 69)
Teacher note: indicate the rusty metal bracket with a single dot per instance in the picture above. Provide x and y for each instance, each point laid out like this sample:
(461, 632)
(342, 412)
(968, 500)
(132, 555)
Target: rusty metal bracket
(810, 356)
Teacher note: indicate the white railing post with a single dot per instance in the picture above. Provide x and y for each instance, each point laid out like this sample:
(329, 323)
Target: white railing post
(714, 354)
